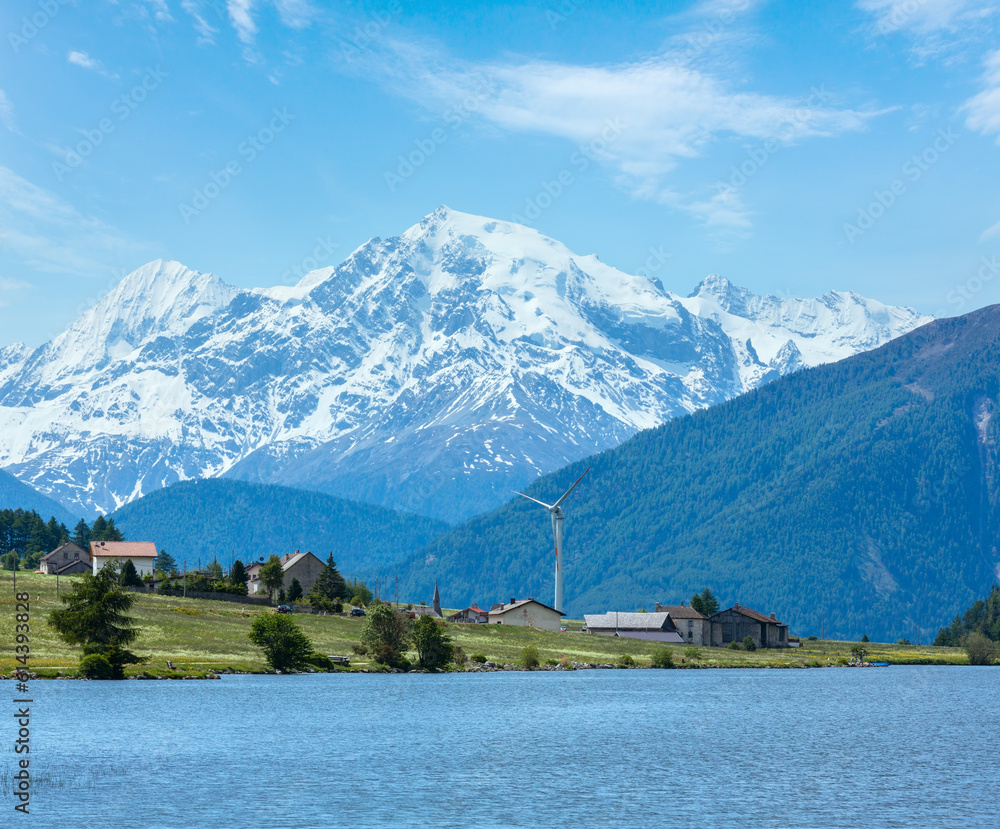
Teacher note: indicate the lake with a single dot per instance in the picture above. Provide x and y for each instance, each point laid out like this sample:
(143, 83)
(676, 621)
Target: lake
(898, 746)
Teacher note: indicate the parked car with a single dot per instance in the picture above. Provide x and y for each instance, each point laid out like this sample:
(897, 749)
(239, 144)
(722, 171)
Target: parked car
(357, 611)
(284, 608)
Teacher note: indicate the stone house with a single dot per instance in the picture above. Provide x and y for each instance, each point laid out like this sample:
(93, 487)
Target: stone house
(694, 627)
(526, 613)
(302, 566)
(736, 623)
(65, 559)
(653, 627)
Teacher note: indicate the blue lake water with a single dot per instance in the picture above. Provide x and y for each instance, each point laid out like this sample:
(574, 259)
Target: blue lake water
(899, 746)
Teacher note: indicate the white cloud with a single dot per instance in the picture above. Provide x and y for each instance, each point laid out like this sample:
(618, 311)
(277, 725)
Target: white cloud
(85, 61)
(640, 120)
(984, 109)
(206, 32)
(49, 235)
(241, 16)
(935, 27)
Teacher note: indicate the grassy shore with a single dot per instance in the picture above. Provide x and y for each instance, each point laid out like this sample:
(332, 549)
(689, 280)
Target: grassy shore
(198, 636)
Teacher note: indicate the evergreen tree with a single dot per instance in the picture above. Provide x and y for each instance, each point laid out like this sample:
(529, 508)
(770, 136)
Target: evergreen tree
(330, 585)
(164, 562)
(129, 575)
(238, 575)
(81, 535)
(95, 618)
(705, 603)
(215, 569)
(294, 590)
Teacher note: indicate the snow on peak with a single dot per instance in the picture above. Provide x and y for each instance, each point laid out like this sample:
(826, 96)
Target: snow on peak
(163, 297)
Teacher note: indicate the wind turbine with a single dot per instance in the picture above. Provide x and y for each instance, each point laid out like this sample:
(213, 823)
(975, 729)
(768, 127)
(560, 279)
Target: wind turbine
(555, 510)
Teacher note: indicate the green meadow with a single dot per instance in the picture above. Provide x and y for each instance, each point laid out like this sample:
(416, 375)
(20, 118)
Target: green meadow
(197, 636)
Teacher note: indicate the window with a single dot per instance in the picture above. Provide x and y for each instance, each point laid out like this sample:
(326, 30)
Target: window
(690, 623)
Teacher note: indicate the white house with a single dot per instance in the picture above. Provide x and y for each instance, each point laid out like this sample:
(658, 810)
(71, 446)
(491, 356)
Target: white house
(526, 613)
(141, 553)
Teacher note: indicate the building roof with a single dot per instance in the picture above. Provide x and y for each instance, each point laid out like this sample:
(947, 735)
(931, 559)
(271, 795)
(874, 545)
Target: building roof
(629, 621)
(69, 565)
(753, 614)
(68, 547)
(423, 610)
(517, 605)
(682, 611)
(471, 609)
(123, 549)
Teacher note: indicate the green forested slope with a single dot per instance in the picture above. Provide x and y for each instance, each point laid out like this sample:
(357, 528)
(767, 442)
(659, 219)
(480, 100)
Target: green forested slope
(17, 495)
(863, 494)
(224, 518)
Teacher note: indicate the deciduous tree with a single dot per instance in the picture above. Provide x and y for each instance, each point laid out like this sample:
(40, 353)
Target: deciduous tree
(432, 644)
(284, 644)
(272, 575)
(386, 632)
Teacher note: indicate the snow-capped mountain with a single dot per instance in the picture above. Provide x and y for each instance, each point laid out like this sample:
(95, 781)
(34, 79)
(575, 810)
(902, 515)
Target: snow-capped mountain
(431, 372)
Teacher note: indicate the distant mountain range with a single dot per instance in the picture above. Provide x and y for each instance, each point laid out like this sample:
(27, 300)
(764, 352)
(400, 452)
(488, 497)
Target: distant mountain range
(15, 495)
(857, 497)
(197, 521)
(431, 372)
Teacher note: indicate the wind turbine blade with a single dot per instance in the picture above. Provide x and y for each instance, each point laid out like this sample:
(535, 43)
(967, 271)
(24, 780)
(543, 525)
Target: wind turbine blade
(533, 499)
(568, 491)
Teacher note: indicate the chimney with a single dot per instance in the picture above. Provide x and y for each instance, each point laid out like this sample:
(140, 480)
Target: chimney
(736, 604)
(682, 603)
(512, 600)
(772, 616)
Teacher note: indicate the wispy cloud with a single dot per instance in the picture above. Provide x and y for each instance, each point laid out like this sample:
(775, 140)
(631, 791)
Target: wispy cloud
(984, 109)
(668, 110)
(49, 235)
(206, 32)
(85, 61)
(935, 27)
(241, 16)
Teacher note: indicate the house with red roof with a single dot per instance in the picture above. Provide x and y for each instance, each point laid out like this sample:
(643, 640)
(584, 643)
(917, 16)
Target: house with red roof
(141, 553)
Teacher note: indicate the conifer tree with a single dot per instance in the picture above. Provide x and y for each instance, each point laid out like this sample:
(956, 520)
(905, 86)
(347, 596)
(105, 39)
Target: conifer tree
(330, 585)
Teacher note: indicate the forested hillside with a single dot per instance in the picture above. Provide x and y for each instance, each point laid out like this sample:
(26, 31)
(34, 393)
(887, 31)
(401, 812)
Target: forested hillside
(201, 520)
(862, 495)
(17, 495)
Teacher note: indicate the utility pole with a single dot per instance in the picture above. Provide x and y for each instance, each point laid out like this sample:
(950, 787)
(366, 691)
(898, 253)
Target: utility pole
(185, 578)
(822, 634)
(397, 591)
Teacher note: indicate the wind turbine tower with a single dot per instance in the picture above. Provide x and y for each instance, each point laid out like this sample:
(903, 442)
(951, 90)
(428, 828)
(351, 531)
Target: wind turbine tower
(555, 510)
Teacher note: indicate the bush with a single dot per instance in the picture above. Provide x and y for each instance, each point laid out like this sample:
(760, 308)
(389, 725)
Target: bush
(529, 657)
(552, 662)
(979, 649)
(749, 644)
(564, 661)
(386, 632)
(434, 647)
(284, 644)
(903, 642)
(627, 661)
(477, 657)
(96, 666)
(812, 638)
(735, 646)
(360, 649)
(663, 658)
(692, 652)
(318, 660)
(865, 639)
(458, 656)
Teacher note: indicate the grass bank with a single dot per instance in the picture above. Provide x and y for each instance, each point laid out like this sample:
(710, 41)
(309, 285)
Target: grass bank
(198, 636)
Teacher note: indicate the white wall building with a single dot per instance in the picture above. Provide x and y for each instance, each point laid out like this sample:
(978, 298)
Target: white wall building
(141, 553)
(526, 613)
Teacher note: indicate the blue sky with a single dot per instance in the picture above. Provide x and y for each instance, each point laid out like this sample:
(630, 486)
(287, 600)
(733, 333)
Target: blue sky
(794, 148)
